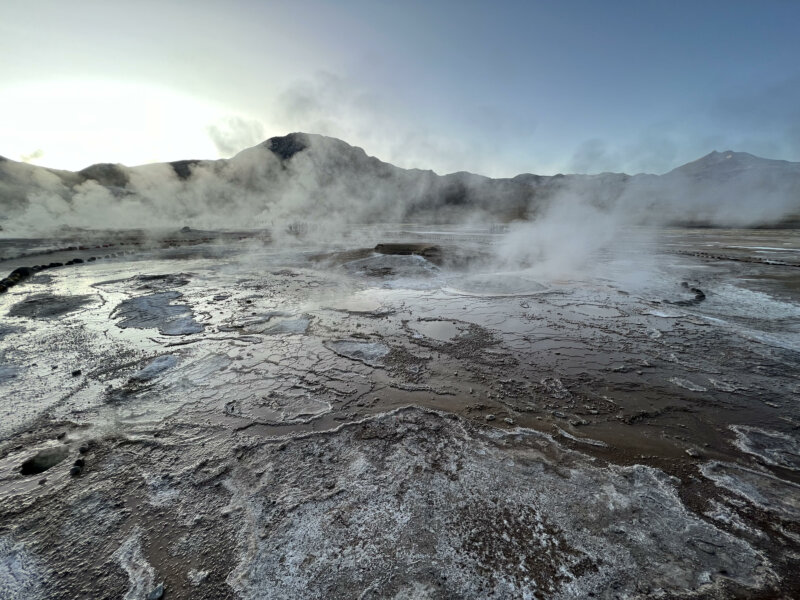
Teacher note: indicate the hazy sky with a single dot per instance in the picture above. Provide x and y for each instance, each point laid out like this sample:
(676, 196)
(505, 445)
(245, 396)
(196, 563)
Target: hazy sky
(492, 87)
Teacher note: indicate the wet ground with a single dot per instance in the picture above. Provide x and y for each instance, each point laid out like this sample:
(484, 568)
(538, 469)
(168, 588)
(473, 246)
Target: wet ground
(238, 418)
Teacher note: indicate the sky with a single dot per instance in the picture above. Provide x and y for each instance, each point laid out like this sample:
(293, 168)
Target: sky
(497, 88)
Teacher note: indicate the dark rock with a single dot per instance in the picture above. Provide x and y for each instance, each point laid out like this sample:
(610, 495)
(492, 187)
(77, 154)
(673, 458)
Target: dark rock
(183, 168)
(699, 296)
(79, 463)
(106, 174)
(287, 146)
(76, 372)
(75, 471)
(21, 273)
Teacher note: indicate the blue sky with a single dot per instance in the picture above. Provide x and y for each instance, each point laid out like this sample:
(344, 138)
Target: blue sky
(496, 88)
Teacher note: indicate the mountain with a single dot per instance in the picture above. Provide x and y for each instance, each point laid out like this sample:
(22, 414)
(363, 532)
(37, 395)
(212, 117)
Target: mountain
(731, 164)
(302, 176)
(733, 188)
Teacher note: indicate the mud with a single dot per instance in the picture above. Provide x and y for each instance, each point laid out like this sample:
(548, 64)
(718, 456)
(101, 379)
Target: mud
(157, 311)
(48, 306)
(265, 422)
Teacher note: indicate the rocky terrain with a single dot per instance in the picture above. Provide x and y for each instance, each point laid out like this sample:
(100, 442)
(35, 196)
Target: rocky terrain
(228, 417)
(303, 372)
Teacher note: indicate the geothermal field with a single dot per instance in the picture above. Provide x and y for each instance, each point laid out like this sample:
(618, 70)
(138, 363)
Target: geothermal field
(547, 406)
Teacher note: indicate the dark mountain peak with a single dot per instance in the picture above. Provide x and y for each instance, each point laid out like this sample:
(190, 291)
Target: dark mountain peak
(285, 147)
(183, 168)
(728, 163)
(110, 174)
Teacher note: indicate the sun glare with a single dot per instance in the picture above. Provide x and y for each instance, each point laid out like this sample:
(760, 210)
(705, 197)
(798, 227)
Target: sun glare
(72, 124)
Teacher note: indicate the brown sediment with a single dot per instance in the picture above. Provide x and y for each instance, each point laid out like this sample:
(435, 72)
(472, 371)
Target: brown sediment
(486, 425)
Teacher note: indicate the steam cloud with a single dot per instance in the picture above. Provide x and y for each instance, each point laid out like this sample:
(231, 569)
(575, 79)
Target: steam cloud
(35, 155)
(234, 133)
(559, 224)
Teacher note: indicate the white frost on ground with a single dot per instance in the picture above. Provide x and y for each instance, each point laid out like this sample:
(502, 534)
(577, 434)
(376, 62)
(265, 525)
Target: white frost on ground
(414, 500)
(20, 577)
(196, 577)
(156, 367)
(773, 447)
(762, 489)
(141, 575)
(687, 385)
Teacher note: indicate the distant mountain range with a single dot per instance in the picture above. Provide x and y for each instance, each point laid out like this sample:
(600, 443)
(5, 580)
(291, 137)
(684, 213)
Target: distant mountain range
(306, 177)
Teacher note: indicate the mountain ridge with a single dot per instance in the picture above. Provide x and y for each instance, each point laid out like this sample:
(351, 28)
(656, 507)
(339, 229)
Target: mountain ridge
(286, 146)
(278, 145)
(308, 176)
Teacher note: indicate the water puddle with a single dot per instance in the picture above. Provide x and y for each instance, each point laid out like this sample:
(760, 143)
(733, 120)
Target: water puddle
(8, 372)
(285, 410)
(392, 266)
(370, 353)
(288, 327)
(498, 284)
(357, 303)
(442, 331)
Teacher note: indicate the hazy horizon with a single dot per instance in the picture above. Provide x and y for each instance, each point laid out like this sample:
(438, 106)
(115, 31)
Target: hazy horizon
(201, 158)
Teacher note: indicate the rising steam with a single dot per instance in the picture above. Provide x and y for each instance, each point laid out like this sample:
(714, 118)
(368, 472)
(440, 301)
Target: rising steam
(559, 223)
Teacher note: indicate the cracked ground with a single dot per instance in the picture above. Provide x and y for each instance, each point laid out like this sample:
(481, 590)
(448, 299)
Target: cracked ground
(234, 419)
